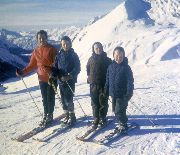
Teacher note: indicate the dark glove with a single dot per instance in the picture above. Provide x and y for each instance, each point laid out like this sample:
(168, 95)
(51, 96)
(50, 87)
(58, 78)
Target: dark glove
(66, 78)
(19, 72)
(52, 80)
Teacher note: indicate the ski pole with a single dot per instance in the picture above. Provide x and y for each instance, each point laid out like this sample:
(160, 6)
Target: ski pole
(56, 92)
(76, 99)
(31, 95)
(154, 124)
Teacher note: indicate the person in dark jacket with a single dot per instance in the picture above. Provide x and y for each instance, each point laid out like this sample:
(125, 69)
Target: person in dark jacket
(120, 85)
(66, 68)
(96, 71)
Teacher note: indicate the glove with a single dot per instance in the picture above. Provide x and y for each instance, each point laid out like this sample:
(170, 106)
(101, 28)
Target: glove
(51, 80)
(66, 78)
(19, 73)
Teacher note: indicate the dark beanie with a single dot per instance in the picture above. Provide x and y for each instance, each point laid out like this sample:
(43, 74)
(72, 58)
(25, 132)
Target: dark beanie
(120, 49)
(66, 38)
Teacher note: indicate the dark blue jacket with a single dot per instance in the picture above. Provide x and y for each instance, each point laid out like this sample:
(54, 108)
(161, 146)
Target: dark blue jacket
(119, 80)
(67, 63)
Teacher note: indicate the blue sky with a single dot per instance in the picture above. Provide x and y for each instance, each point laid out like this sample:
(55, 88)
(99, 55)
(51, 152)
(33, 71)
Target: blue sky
(25, 14)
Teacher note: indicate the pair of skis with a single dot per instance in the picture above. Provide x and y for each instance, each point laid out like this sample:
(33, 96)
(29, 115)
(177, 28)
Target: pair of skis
(62, 129)
(23, 137)
(116, 134)
(92, 131)
(108, 138)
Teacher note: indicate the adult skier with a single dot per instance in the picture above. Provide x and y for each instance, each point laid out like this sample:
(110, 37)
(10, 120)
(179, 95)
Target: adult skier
(96, 71)
(119, 85)
(42, 59)
(66, 68)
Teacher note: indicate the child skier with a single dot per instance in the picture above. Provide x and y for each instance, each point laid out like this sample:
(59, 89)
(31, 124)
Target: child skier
(119, 85)
(66, 68)
(96, 71)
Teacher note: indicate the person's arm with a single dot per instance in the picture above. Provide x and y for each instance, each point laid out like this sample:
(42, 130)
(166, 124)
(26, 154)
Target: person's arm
(55, 70)
(31, 66)
(106, 87)
(88, 71)
(130, 83)
(77, 67)
(88, 67)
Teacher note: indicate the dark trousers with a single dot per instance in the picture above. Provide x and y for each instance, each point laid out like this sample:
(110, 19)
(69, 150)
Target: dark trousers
(67, 96)
(99, 102)
(119, 108)
(48, 97)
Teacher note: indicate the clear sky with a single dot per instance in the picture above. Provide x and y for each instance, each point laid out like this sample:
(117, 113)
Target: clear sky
(35, 14)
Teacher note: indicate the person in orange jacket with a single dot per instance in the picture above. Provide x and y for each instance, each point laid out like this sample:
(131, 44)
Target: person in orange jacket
(42, 59)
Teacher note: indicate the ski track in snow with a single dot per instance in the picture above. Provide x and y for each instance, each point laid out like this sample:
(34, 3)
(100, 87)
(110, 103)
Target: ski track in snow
(162, 107)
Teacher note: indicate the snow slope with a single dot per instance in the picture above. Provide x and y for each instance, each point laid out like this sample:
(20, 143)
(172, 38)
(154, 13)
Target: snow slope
(143, 28)
(152, 45)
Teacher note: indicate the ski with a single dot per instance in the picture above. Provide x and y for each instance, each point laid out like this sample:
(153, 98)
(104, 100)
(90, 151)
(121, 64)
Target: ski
(113, 135)
(92, 131)
(36, 130)
(2, 88)
(62, 129)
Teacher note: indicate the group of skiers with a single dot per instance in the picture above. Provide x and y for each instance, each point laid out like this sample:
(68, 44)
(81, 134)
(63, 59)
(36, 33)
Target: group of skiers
(105, 77)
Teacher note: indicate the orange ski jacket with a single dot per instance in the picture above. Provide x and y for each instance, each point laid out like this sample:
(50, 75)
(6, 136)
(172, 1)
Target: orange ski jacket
(42, 59)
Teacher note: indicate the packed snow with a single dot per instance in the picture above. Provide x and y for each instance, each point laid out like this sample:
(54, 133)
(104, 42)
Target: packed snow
(150, 33)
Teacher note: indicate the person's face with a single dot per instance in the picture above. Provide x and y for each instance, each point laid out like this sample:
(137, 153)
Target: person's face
(41, 39)
(118, 56)
(65, 45)
(98, 49)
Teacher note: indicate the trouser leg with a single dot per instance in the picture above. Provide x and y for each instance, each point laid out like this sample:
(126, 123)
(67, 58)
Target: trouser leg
(50, 99)
(103, 101)
(94, 101)
(43, 88)
(120, 110)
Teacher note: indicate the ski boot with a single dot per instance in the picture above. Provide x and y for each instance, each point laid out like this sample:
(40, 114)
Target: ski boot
(66, 119)
(43, 121)
(103, 122)
(72, 119)
(121, 127)
(95, 123)
(49, 119)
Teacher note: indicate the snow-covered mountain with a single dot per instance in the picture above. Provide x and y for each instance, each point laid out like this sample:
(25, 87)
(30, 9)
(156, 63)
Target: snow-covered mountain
(11, 57)
(149, 30)
(27, 40)
(15, 48)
